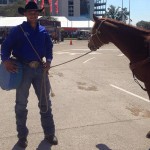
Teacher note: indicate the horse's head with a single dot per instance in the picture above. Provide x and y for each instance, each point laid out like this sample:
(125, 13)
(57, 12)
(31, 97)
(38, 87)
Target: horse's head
(97, 38)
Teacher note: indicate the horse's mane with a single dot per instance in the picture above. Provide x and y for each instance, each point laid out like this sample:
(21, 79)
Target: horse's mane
(136, 30)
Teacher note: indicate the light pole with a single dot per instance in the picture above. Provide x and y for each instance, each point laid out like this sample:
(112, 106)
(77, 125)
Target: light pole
(129, 12)
(122, 4)
(122, 12)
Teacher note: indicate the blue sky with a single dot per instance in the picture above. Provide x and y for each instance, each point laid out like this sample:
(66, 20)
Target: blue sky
(140, 9)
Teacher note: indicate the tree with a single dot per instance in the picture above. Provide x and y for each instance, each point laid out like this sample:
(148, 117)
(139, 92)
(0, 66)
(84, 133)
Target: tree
(143, 24)
(112, 12)
(117, 13)
(123, 15)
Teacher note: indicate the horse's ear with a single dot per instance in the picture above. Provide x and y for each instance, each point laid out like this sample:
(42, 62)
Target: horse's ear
(95, 18)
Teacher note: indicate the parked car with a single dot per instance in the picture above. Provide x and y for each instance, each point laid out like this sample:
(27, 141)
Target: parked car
(83, 34)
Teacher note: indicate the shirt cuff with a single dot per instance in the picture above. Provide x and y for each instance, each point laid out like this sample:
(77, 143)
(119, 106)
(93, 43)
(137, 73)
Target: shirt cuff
(48, 60)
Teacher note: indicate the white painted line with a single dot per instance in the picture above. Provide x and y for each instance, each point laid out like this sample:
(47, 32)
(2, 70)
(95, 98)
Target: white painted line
(60, 53)
(55, 44)
(108, 49)
(144, 99)
(121, 55)
(81, 49)
(64, 52)
(88, 60)
(95, 53)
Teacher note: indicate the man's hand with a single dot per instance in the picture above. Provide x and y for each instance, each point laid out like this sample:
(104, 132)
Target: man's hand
(10, 66)
(47, 66)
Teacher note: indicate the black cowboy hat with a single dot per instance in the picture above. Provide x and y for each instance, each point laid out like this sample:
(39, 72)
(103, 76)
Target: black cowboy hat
(30, 6)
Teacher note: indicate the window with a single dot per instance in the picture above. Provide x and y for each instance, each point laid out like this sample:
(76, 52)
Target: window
(46, 1)
(70, 8)
(84, 7)
(70, 2)
(11, 1)
(3, 1)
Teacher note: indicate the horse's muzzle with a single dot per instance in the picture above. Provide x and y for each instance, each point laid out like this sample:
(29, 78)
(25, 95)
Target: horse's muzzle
(92, 47)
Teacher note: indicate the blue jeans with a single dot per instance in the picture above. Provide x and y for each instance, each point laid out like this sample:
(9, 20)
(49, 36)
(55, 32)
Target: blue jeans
(34, 77)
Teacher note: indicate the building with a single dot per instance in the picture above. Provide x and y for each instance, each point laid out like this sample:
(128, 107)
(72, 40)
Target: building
(76, 8)
(69, 8)
(74, 15)
(100, 7)
(6, 2)
(81, 8)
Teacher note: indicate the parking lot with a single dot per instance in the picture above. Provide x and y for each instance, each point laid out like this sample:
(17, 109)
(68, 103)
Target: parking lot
(97, 105)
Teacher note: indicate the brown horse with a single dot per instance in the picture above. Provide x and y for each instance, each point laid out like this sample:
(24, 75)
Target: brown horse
(133, 42)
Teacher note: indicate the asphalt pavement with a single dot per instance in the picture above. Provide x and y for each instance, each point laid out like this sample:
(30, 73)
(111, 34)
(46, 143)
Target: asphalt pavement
(97, 105)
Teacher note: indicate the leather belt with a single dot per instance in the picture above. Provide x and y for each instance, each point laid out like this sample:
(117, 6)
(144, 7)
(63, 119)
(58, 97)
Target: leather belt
(34, 64)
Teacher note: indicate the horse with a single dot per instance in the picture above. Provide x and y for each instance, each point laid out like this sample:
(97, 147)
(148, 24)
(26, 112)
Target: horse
(132, 41)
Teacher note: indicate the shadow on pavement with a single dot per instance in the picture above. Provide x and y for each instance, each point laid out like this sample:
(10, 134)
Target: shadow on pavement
(102, 147)
(44, 146)
(16, 147)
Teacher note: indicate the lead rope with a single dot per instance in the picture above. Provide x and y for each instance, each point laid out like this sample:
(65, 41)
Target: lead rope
(71, 60)
(43, 86)
(43, 76)
(43, 83)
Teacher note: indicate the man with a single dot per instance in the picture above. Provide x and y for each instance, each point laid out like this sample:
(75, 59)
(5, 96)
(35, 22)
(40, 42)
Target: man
(34, 71)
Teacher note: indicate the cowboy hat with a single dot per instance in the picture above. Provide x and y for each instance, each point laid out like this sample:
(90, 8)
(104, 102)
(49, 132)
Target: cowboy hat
(30, 6)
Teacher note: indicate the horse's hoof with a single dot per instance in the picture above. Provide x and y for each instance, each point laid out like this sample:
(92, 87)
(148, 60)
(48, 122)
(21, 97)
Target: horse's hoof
(148, 135)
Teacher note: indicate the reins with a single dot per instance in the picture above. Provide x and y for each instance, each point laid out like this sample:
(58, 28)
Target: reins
(136, 65)
(139, 64)
(136, 80)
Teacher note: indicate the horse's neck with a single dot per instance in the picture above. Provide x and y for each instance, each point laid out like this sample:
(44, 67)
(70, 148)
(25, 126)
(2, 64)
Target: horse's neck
(124, 40)
(116, 37)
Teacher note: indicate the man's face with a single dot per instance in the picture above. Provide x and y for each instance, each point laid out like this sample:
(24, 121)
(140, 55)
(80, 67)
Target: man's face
(32, 15)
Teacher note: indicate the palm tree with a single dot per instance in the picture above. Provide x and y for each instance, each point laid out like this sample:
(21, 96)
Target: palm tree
(112, 12)
(123, 15)
(117, 13)
(143, 24)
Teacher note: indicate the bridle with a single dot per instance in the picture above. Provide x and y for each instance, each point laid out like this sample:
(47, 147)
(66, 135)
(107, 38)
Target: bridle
(97, 34)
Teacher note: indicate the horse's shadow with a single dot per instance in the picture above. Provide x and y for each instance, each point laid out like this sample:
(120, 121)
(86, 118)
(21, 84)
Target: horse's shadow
(42, 146)
(102, 147)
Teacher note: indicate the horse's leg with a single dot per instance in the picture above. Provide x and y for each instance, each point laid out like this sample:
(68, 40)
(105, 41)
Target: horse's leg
(147, 86)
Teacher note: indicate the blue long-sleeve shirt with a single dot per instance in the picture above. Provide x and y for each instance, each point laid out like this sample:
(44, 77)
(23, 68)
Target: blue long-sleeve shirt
(17, 44)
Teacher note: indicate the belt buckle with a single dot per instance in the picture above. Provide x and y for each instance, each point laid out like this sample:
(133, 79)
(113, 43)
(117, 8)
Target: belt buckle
(34, 64)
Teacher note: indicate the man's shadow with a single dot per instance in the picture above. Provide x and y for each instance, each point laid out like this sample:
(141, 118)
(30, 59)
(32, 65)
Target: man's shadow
(42, 146)
(102, 147)
(16, 147)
